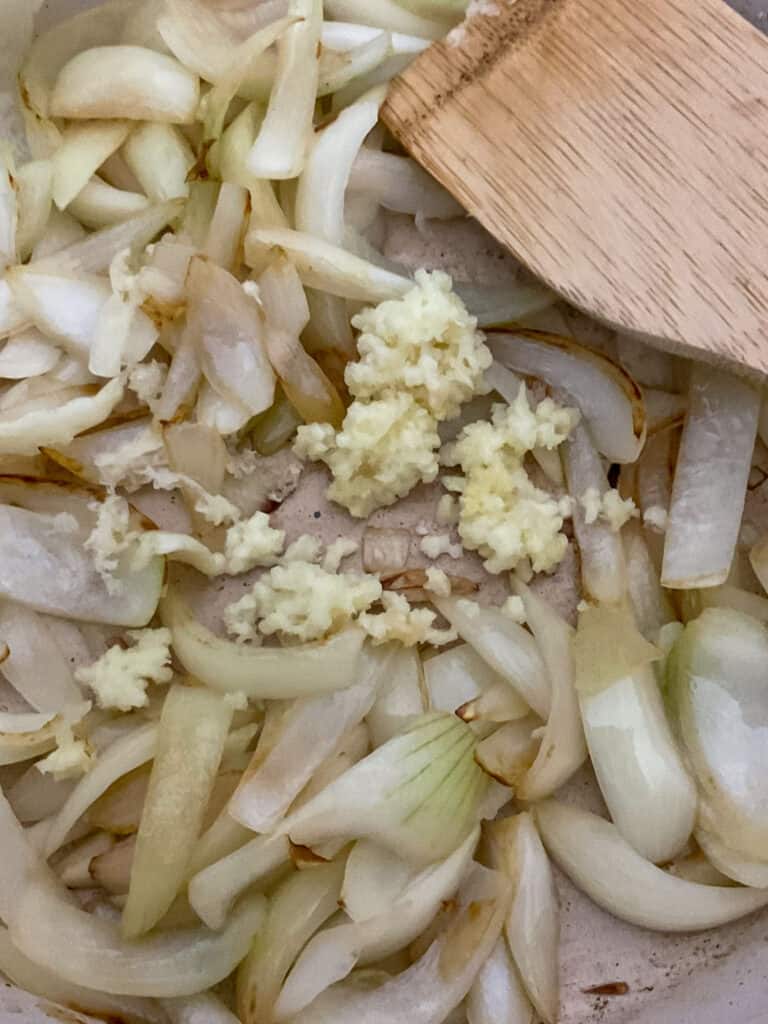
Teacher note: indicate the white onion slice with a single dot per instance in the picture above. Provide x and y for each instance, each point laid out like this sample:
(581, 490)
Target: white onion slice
(225, 234)
(386, 14)
(328, 267)
(161, 158)
(593, 854)
(34, 796)
(125, 81)
(459, 675)
(99, 205)
(649, 793)
(133, 750)
(398, 183)
(607, 396)
(84, 148)
(716, 675)
(35, 665)
(213, 891)
(11, 315)
(62, 305)
(227, 326)
(400, 697)
(374, 878)
(23, 433)
(337, 70)
(533, 923)
(27, 353)
(309, 732)
(8, 217)
(650, 603)
(205, 1008)
(343, 35)
(428, 991)
(508, 753)
(301, 904)
(88, 950)
(281, 145)
(498, 306)
(419, 794)
(34, 195)
(603, 563)
(710, 479)
(48, 985)
(731, 863)
(562, 750)
(508, 648)
(497, 993)
(334, 952)
(261, 672)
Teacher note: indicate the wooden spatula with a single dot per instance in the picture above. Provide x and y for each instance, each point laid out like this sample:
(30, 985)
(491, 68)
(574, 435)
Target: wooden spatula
(620, 149)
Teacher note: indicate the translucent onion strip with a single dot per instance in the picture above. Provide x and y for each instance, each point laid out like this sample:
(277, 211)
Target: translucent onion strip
(84, 148)
(497, 993)
(397, 183)
(593, 854)
(710, 479)
(99, 205)
(266, 673)
(160, 158)
(89, 952)
(281, 146)
(729, 862)
(190, 742)
(35, 666)
(385, 14)
(125, 81)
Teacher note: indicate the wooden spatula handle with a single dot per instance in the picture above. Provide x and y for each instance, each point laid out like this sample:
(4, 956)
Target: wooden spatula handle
(602, 122)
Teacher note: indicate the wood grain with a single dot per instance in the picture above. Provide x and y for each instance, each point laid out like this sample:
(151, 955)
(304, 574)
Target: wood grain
(620, 149)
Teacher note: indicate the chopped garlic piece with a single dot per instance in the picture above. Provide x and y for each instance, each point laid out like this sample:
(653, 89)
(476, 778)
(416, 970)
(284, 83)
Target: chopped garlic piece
(72, 757)
(120, 677)
(337, 552)
(592, 503)
(238, 701)
(401, 623)
(447, 510)
(252, 542)
(305, 548)
(110, 537)
(657, 517)
(438, 582)
(436, 544)
(300, 601)
(469, 608)
(147, 381)
(609, 506)
(514, 609)
(215, 508)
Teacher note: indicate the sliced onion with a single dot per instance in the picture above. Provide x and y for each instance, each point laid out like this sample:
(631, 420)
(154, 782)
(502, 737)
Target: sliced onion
(51, 50)
(34, 185)
(125, 81)
(24, 432)
(731, 863)
(459, 675)
(34, 796)
(562, 750)
(281, 145)
(227, 326)
(400, 697)
(508, 648)
(28, 353)
(593, 854)
(399, 184)
(374, 878)
(503, 306)
(88, 950)
(607, 396)
(160, 158)
(710, 479)
(385, 14)
(309, 732)
(282, 297)
(305, 384)
(301, 904)
(99, 205)
(418, 794)
(205, 1008)
(497, 993)
(182, 383)
(84, 148)
(24, 736)
(650, 603)
(35, 665)
(428, 991)
(716, 674)
(533, 923)
(333, 953)
(225, 234)
(64, 306)
(603, 564)
(121, 757)
(337, 70)
(261, 672)
(328, 267)
(11, 315)
(190, 742)
(48, 985)
(343, 35)
(496, 705)
(225, 415)
(213, 891)
(508, 753)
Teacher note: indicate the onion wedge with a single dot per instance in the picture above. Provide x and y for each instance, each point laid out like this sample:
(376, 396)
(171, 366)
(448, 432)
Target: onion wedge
(508, 648)
(35, 665)
(602, 864)
(261, 672)
(190, 742)
(301, 904)
(84, 148)
(160, 158)
(731, 863)
(457, 676)
(710, 479)
(497, 993)
(308, 733)
(125, 82)
(89, 952)
(428, 991)
(607, 396)
(333, 953)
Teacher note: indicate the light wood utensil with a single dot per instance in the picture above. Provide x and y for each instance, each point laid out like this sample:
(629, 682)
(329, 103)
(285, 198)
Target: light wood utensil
(619, 148)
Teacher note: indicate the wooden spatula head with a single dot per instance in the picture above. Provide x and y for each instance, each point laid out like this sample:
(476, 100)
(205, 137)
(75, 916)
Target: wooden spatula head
(619, 148)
